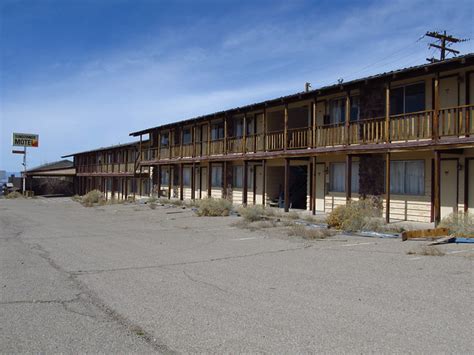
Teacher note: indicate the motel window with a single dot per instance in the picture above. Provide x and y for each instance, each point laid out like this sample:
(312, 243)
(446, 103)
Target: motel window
(407, 177)
(250, 177)
(238, 127)
(250, 126)
(165, 177)
(187, 176)
(217, 131)
(165, 140)
(337, 109)
(406, 99)
(238, 176)
(187, 137)
(109, 184)
(146, 187)
(337, 177)
(216, 178)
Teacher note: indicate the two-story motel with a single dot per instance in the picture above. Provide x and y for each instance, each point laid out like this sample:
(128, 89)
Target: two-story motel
(406, 136)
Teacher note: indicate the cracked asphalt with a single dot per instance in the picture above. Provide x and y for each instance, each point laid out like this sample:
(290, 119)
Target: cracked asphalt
(128, 279)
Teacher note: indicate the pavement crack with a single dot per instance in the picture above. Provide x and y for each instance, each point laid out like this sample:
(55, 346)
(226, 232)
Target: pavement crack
(205, 283)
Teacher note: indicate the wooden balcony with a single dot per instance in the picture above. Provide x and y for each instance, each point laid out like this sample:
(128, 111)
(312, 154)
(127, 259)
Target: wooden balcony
(113, 168)
(457, 122)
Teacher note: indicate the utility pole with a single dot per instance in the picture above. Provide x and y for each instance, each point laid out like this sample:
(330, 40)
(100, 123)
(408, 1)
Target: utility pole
(445, 41)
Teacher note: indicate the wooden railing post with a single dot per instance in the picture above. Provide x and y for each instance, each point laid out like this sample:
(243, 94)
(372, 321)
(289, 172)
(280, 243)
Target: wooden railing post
(435, 120)
(285, 132)
(194, 143)
(387, 113)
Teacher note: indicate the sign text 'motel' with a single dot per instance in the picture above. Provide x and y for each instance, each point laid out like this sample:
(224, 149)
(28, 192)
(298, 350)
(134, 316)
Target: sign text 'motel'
(25, 140)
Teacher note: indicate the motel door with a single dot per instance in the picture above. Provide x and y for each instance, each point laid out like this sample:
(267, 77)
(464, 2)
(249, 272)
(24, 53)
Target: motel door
(320, 187)
(449, 186)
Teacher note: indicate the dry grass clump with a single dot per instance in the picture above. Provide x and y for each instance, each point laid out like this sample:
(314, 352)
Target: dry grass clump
(460, 224)
(93, 197)
(252, 213)
(299, 230)
(213, 207)
(256, 225)
(13, 195)
(427, 251)
(357, 215)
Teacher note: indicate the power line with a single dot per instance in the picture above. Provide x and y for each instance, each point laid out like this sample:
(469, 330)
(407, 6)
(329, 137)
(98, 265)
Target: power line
(443, 44)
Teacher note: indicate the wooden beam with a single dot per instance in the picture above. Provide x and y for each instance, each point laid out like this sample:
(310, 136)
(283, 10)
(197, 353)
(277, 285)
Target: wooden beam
(287, 185)
(437, 187)
(314, 180)
(264, 127)
(314, 121)
(348, 177)
(181, 182)
(264, 181)
(209, 137)
(224, 179)
(244, 134)
(170, 181)
(466, 184)
(225, 134)
(387, 187)
(245, 183)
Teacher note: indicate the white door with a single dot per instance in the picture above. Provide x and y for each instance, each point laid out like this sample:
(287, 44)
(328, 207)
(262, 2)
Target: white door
(320, 186)
(449, 187)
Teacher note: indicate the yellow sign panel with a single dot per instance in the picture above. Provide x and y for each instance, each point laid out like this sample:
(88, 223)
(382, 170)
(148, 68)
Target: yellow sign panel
(25, 140)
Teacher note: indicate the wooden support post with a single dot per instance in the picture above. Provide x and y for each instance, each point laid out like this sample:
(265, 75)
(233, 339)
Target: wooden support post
(158, 149)
(194, 142)
(225, 134)
(348, 177)
(181, 142)
(209, 137)
(244, 134)
(313, 124)
(181, 184)
(264, 127)
(387, 113)
(435, 129)
(310, 184)
(348, 117)
(170, 144)
(287, 185)
(264, 182)
(158, 182)
(437, 187)
(224, 179)
(170, 181)
(313, 197)
(140, 182)
(387, 187)
(200, 181)
(285, 132)
(209, 179)
(245, 183)
(193, 182)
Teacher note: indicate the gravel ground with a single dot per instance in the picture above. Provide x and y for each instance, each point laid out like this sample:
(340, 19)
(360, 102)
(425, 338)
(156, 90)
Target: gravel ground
(128, 279)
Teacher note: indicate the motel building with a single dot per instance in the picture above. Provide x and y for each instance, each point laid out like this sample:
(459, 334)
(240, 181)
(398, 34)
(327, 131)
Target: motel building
(406, 136)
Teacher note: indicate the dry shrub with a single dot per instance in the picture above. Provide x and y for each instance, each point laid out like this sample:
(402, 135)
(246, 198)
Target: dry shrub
(92, 198)
(214, 207)
(427, 251)
(252, 213)
(76, 198)
(364, 214)
(13, 195)
(256, 225)
(299, 230)
(460, 224)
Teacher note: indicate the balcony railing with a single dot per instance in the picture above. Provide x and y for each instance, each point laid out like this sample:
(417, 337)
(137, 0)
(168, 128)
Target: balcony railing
(299, 138)
(330, 135)
(367, 131)
(116, 168)
(275, 140)
(452, 122)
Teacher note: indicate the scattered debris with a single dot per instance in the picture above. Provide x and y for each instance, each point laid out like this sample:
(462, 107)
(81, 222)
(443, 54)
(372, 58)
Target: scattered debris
(425, 233)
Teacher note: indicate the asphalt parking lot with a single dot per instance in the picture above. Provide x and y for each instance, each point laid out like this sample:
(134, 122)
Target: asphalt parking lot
(126, 278)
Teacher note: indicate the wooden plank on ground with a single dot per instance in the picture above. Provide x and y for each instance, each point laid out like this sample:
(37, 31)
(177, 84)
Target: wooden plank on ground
(425, 233)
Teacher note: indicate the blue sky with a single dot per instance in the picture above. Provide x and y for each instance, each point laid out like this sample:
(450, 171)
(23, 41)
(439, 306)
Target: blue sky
(85, 73)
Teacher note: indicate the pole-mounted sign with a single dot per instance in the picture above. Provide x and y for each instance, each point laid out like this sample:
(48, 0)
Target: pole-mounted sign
(25, 140)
